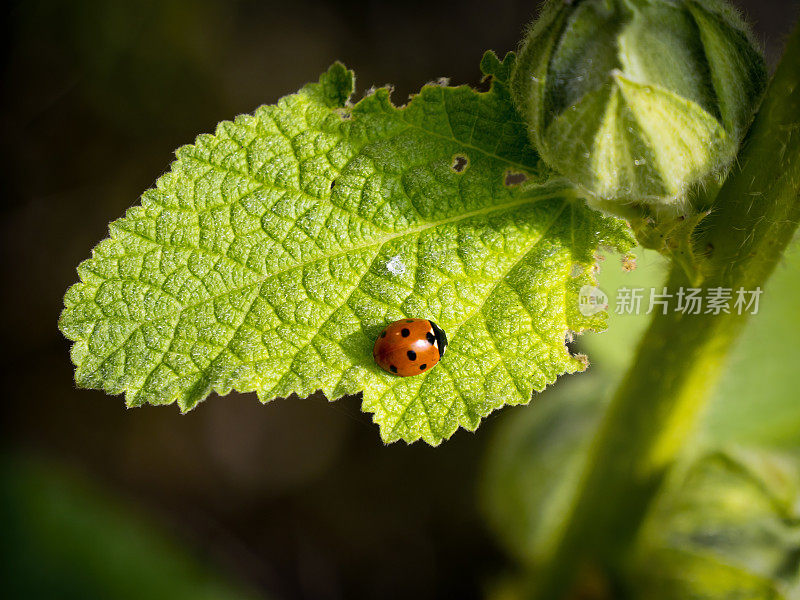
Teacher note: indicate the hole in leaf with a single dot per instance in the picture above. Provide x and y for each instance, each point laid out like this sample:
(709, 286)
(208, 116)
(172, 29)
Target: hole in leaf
(460, 163)
(515, 178)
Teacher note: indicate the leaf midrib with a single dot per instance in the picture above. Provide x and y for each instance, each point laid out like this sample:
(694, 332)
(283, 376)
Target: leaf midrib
(380, 242)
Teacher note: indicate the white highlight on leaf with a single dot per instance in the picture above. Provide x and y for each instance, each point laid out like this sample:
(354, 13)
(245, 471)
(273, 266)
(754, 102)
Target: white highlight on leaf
(396, 266)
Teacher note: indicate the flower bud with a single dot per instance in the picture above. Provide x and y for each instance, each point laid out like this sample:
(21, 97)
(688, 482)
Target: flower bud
(638, 100)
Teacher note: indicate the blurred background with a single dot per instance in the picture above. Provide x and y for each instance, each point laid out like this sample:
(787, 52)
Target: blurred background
(299, 498)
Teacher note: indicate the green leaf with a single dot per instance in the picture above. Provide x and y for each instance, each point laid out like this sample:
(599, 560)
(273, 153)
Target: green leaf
(729, 528)
(756, 401)
(533, 467)
(274, 251)
(726, 526)
(66, 538)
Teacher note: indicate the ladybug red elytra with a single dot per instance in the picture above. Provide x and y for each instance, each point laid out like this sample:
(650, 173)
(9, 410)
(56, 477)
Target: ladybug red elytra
(409, 347)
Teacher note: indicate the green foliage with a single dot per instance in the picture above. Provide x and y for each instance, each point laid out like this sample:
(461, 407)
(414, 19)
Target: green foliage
(275, 250)
(730, 529)
(534, 464)
(64, 538)
(656, 407)
(742, 408)
(726, 524)
(536, 455)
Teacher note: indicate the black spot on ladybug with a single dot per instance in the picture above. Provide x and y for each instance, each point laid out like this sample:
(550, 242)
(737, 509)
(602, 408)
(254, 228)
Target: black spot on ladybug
(423, 366)
(431, 338)
(409, 320)
(405, 332)
(411, 355)
(383, 334)
(393, 368)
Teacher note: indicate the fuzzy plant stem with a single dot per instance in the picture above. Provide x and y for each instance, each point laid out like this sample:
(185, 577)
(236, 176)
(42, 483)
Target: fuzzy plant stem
(681, 356)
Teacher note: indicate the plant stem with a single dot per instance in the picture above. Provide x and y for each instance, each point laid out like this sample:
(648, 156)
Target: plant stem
(680, 357)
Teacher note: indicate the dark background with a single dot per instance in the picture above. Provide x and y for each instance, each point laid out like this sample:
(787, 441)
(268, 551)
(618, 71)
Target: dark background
(299, 498)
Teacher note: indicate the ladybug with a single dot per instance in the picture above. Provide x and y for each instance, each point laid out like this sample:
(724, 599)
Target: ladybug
(409, 347)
